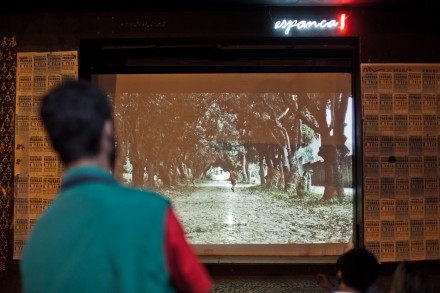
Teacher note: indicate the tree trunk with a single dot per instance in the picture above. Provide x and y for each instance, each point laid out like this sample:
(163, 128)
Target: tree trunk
(261, 170)
(263, 153)
(137, 173)
(183, 176)
(164, 175)
(150, 179)
(341, 153)
(333, 149)
(286, 168)
(280, 182)
(333, 175)
(299, 186)
(121, 154)
(245, 167)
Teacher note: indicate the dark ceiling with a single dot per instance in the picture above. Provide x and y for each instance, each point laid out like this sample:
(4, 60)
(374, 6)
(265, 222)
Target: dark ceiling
(257, 3)
(136, 5)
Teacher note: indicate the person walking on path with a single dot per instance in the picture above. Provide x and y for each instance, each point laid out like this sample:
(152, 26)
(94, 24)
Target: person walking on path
(233, 177)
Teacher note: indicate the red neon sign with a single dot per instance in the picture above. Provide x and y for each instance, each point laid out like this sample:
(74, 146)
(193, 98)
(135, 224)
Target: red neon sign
(342, 22)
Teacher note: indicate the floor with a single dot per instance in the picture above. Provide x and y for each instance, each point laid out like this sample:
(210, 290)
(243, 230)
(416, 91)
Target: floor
(281, 284)
(300, 283)
(262, 278)
(227, 284)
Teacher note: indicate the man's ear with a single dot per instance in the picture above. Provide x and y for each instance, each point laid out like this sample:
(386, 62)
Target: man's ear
(339, 274)
(107, 135)
(339, 277)
(108, 130)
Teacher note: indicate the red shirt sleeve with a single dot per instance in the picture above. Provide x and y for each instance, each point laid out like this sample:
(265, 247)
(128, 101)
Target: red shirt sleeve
(187, 274)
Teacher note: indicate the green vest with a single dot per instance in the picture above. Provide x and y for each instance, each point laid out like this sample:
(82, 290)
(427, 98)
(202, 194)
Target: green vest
(98, 236)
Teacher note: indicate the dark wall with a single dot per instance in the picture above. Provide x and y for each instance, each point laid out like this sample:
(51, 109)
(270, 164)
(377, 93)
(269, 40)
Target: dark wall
(390, 34)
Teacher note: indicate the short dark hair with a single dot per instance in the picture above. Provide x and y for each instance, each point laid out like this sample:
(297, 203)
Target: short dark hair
(359, 268)
(73, 114)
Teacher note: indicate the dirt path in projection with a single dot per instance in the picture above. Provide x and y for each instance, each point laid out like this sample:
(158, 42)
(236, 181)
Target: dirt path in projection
(213, 214)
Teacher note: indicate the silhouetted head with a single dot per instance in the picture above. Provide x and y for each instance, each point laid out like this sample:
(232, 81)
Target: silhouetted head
(358, 268)
(73, 114)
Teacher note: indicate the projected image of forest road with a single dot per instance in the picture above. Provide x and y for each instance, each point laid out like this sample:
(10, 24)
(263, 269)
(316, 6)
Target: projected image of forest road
(288, 136)
(212, 213)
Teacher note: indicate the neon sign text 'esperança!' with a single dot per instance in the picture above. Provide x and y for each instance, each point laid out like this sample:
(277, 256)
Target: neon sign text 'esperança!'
(324, 24)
